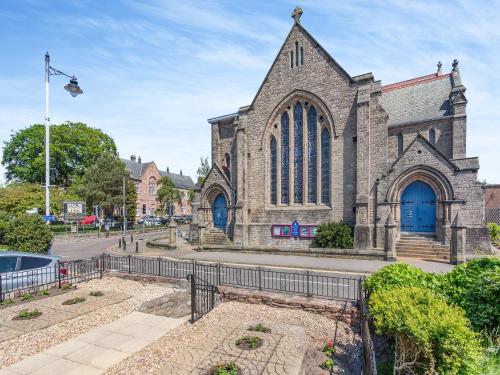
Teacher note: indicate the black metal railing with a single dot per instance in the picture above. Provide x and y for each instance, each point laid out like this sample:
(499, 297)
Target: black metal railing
(202, 297)
(369, 363)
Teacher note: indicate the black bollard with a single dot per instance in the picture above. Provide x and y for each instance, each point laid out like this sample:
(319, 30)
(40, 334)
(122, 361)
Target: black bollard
(124, 244)
(136, 247)
(131, 238)
(119, 243)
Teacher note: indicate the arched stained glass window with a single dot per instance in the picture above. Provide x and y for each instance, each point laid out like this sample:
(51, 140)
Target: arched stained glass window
(400, 144)
(285, 158)
(273, 169)
(432, 136)
(298, 153)
(325, 166)
(312, 155)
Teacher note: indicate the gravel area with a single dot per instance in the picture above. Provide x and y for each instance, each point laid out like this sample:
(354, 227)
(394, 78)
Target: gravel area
(318, 329)
(12, 351)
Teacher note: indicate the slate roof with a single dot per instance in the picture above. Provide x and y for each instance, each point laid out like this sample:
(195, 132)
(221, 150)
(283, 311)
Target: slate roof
(418, 99)
(137, 169)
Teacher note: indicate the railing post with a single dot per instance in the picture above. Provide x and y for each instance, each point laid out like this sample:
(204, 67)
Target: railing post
(119, 243)
(136, 246)
(193, 297)
(129, 261)
(1, 294)
(218, 273)
(308, 275)
(59, 273)
(260, 277)
(159, 266)
(194, 267)
(101, 269)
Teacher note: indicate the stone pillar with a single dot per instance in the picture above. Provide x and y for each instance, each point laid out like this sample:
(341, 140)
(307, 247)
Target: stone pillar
(458, 240)
(445, 227)
(172, 231)
(390, 238)
(201, 234)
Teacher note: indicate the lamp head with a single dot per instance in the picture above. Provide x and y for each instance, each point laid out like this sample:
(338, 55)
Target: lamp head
(73, 88)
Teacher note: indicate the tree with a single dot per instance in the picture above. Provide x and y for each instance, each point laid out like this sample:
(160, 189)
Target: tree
(167, 193)
(131, 201)
(203, 170)
(17, 198)
(102, 184)
(28, 233)
(73, 148)
(191, 196)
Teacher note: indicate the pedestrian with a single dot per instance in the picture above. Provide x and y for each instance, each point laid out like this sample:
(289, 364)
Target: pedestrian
(106, 228)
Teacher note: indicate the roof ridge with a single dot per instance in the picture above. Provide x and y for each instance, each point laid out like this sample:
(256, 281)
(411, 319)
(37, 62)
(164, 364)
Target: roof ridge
(414, 81)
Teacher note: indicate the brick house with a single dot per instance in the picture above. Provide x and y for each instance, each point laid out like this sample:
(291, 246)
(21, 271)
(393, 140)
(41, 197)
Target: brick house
(317, 144)
(147, 177)
(492, 203)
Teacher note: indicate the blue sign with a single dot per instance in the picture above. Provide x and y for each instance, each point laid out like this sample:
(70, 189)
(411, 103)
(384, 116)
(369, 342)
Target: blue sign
(49, 218)
(295, 229)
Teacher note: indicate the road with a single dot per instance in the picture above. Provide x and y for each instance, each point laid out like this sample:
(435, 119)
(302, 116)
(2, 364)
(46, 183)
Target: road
(84, 247)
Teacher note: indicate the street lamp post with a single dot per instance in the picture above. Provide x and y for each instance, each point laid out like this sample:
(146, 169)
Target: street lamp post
(73, 88)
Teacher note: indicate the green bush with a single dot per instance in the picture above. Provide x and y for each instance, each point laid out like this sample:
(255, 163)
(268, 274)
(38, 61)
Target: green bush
(431, 336)
(401, 275)
(482, 301)
(494, 231)
(334, 234)
(28, 233)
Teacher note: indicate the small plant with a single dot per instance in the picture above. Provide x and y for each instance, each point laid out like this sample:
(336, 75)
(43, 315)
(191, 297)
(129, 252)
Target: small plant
(74, 301)
(27, 314)
(26, 297)
(44, 293)
(7, 301)
(225, 369)
(329, 351)
(66, 286)
(259, 328)
(97, 293)
(249, 342)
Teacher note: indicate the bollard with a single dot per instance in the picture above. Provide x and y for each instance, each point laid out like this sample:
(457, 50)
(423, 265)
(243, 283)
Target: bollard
(136, 247)
(119, 243)
(131, 238)
(124, 244)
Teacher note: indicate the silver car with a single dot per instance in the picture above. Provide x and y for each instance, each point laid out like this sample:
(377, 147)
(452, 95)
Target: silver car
(19, 271)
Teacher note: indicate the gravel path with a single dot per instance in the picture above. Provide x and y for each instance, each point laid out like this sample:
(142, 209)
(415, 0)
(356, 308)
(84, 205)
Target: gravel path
(317, 328)
(12, 351)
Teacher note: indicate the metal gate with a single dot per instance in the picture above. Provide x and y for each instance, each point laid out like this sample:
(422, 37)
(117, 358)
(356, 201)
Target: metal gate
(202, 297)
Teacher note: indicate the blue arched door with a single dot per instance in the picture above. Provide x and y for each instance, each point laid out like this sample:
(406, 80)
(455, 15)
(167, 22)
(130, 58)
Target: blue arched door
(220, 212)
(418, 208)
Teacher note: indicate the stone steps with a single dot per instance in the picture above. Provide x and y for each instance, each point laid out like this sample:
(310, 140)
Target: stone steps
(421, 246)
(216, 237)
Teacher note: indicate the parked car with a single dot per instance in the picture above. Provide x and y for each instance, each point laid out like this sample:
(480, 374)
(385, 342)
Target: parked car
(20, 270)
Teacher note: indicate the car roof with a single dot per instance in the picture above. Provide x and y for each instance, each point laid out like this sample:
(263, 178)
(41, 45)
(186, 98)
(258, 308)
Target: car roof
(21, 253)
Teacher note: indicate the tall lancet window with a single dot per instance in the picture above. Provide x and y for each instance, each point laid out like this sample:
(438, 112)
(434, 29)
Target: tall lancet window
(285, 158)
(312, 155)
(298, 153)
(400, 144)
(432, 136)
(273, 168)
(325, 166)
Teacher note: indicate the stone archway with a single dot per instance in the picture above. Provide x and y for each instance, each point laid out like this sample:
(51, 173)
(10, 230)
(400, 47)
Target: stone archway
(214, 203)
(418, 208)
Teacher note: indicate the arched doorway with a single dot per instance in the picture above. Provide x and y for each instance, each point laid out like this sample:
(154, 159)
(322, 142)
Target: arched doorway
(220, 212)
(418, 208)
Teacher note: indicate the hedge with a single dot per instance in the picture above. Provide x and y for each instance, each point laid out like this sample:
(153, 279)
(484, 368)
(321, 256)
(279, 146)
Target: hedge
(28, 233)
(334, 234)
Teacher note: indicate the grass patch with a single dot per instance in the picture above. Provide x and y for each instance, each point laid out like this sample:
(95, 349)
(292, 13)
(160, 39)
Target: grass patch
(7, 301)
(74, 301)
(225, 369)
(259, 328)
(97, 293)
(66, 286)
(28, 314)
(249, 342)
(44, 293)
(26, 297)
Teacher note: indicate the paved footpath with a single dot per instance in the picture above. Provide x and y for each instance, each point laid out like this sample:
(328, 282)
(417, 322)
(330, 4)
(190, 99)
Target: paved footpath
(97, 350)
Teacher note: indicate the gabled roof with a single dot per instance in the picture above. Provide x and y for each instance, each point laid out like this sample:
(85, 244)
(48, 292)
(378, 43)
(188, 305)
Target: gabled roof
(136, 169)
(180, 181)
(418, 99)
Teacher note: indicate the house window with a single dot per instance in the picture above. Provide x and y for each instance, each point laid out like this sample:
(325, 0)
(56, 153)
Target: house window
(285, 158)
(298, 153)
(400, 144)
(312, 155)
(273, 170)
(152, 186)
(432, 136)
(325, 166)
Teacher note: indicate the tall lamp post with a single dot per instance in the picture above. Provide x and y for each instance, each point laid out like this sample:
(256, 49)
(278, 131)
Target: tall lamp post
(73, 88)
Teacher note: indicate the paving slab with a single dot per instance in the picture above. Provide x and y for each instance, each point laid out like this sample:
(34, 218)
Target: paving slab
(96, 351)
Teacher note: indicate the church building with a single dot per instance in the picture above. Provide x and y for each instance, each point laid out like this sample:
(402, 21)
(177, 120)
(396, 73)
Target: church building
(317, 144)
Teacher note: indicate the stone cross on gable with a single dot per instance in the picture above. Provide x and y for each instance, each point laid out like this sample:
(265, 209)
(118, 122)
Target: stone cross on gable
(455, 65)
(439, 65)
(297, 12)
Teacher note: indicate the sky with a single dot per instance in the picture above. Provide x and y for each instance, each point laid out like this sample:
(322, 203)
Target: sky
(154, 71)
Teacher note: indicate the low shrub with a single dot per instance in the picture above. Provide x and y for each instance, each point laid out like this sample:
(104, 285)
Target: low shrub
(7, 301)
(225, 369)
(259, 327)
(96, 293)
(44, 293)
(334, 234)
(494, 231)
(74, 301)
(26, 297)
(249, 342)
(29, 234)
(431, 336)
(27, 314)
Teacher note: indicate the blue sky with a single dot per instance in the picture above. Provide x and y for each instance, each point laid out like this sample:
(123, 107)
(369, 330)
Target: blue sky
(153, 71)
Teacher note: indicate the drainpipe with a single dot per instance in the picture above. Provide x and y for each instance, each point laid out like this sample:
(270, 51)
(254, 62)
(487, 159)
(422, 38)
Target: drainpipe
(375, 213)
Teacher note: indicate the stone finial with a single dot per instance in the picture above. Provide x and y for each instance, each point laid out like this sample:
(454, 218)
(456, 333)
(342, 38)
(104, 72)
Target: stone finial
(439, 65)
(457, 222)
(390, 220)
(139, 159)
(455, 65)
(180, 172)
(297, 12)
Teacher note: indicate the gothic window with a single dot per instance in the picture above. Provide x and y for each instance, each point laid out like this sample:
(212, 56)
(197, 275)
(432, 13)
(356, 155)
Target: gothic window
(432, 136)
(298, 153)
(301, 56)
(291, 59)
(400, 144)
(285, 158)
(312, 155)
(273, 170)
(296, 53)
(325, 166)
(227, 167)
(152, 186)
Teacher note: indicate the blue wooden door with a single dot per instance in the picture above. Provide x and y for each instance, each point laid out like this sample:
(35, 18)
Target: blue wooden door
(418, 208)
(220, 212)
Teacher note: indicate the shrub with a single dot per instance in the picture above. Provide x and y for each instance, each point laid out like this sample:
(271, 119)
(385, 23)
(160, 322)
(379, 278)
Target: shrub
(482, 301)
(431, 336)
(28, 233)
(335, 234)
(494, 231)
(401, 275)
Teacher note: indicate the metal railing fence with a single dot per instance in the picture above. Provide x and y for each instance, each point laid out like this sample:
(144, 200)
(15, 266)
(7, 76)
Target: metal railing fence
(202, 297)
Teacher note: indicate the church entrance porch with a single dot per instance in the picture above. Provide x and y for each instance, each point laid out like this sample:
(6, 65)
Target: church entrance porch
(220, 212)
(418, 208)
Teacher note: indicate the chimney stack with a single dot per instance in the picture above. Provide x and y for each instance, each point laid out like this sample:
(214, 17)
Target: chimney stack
(139, 160)
(181, 172)
(132, 158)
(168, 170)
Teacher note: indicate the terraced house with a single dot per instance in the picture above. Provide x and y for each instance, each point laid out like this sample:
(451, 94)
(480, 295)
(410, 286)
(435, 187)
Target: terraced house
(317, 144)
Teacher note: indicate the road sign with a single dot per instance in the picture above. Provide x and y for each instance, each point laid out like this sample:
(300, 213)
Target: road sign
(74, 211)
(49, 218)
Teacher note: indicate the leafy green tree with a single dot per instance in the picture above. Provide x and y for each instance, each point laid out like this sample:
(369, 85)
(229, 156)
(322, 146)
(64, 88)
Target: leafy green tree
(167, 193)
(203, 170)
(28, 233)
(73, 148)
(17, 198)
(131, 201)
(102, 184)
